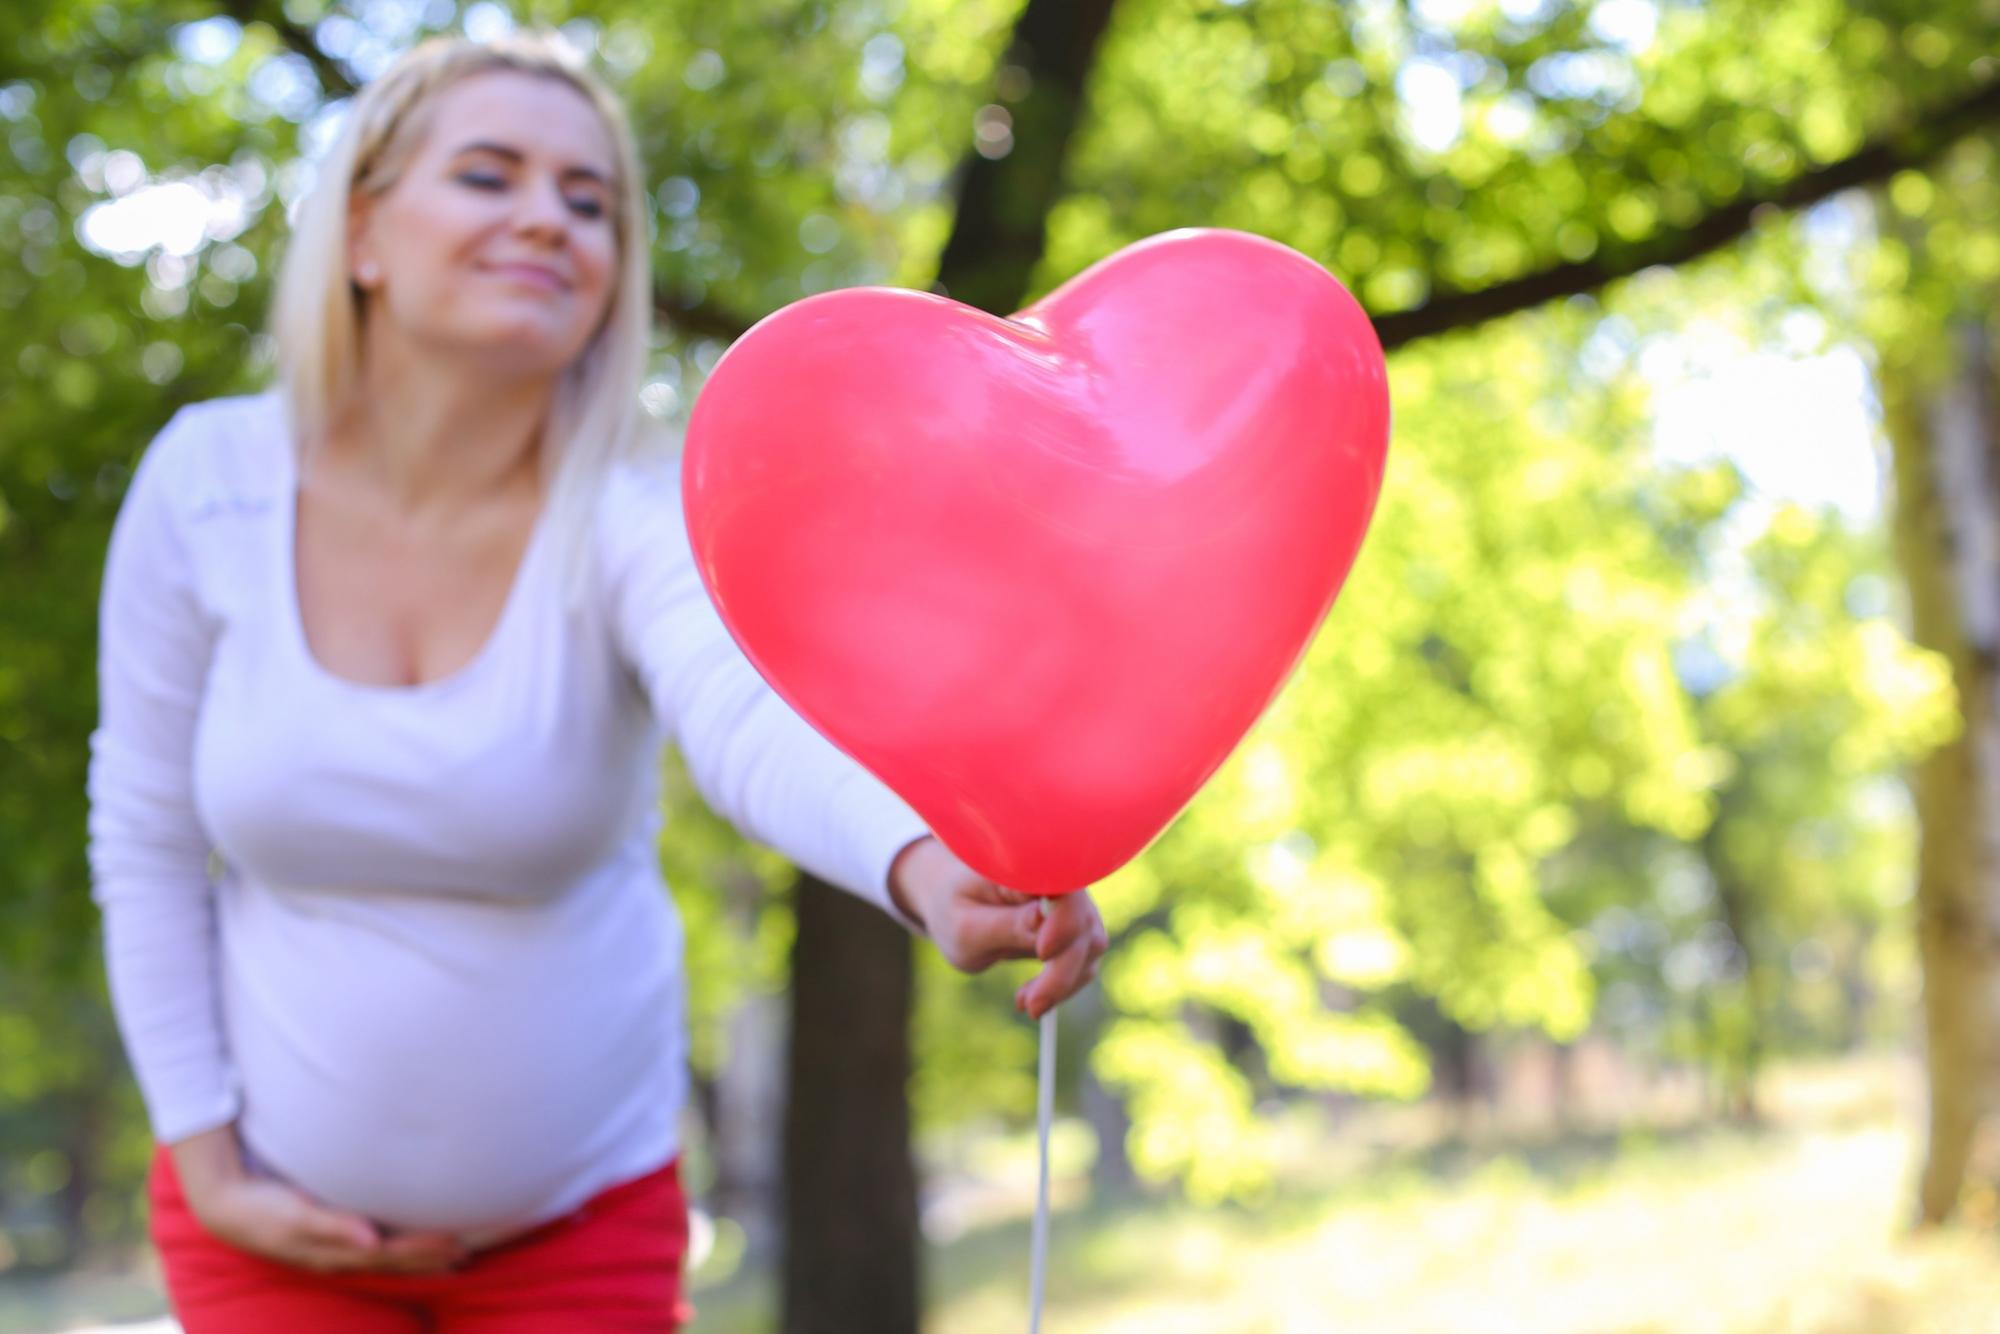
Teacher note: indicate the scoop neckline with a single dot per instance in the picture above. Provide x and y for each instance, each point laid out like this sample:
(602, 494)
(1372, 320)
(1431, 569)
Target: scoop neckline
(288, 563)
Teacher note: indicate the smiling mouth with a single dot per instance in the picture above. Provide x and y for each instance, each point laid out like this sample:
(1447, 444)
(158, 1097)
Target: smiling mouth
(530, 275)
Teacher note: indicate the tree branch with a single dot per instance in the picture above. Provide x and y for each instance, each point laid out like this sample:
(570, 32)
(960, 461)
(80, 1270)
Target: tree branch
(1879, 159)
(703, 319)
(334, 77)
(1003, 203)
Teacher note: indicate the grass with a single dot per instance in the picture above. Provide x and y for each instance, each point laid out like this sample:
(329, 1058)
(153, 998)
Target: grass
(1676, 1228)
(1396, 1224)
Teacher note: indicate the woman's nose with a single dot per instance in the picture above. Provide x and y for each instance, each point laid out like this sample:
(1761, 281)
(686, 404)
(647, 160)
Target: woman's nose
(544, 212)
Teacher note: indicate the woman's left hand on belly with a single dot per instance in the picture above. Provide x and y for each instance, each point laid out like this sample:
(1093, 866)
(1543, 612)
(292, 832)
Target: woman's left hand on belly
(274, 1220)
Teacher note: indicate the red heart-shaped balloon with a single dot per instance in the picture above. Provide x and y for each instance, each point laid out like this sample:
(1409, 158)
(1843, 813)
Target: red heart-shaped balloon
(1041, 574)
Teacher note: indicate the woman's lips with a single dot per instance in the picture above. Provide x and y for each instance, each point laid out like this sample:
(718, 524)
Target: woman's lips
(532, 274)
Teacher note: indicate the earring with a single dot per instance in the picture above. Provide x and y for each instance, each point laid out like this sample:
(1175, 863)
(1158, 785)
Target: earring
(366, 273)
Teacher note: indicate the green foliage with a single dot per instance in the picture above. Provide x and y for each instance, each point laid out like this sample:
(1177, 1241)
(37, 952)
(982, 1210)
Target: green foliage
(1497, 675)
(736, 918)
(1575, 140)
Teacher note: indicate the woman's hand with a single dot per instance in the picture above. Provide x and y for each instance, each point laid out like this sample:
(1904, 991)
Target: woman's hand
(976, 924)
(282, 1223)
(279, 1222)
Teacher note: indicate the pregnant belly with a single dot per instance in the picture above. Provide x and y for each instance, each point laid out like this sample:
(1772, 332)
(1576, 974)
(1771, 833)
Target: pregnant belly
(445, 1064)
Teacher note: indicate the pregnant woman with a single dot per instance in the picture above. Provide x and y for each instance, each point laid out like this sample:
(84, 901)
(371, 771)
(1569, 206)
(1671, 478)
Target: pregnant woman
(387, 659)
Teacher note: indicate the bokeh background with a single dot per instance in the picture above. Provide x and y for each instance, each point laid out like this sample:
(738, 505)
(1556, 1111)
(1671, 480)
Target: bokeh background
(1596, 935)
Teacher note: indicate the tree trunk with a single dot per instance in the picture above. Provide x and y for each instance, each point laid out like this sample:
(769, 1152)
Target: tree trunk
(748, 1102)
(1464, 1075)
(1111, 1171)
(1562, 1086)
(1857, 993)
(83, 1144)
(1003, 202)
(1738, 1037)
(1947, 522)
(850, 1237)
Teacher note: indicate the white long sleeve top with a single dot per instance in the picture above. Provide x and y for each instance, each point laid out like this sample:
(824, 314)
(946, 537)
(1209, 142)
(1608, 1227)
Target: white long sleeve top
(414, 940)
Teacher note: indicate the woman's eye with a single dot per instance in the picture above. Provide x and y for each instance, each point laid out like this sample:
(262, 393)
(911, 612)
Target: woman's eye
(589, 209)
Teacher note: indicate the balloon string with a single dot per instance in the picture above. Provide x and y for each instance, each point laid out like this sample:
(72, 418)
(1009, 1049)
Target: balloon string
(1045, 1100)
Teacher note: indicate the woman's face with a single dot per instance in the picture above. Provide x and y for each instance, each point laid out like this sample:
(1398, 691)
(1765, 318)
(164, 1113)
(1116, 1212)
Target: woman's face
(498, 237)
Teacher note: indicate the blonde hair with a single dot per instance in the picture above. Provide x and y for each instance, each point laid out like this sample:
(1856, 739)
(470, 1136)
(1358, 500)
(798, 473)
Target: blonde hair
(595, 417)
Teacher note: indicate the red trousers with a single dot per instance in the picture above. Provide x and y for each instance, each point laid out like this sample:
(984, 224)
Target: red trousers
(612, 1265)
